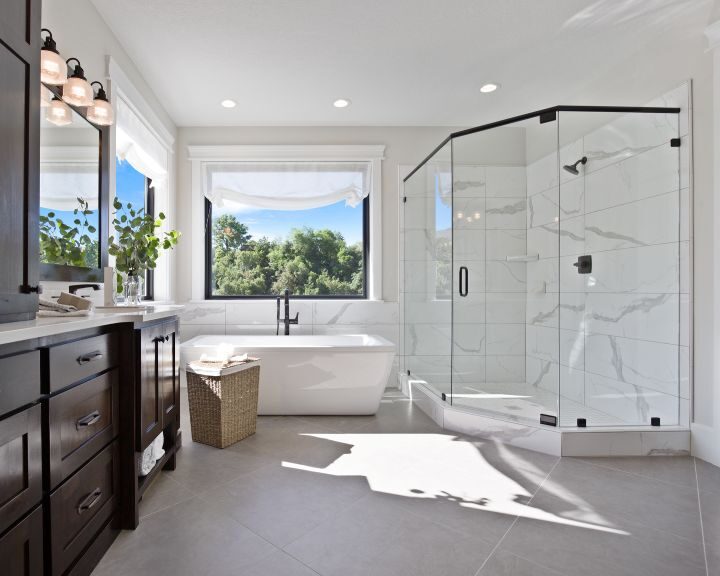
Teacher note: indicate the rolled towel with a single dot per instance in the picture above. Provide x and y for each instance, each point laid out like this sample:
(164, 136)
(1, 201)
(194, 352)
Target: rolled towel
(46, 304)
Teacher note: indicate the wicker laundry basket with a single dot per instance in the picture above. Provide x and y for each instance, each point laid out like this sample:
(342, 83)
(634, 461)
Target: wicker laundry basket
(223, 401)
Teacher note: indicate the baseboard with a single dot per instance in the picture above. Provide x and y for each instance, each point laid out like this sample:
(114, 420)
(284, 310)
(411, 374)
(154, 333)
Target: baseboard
(704, 443)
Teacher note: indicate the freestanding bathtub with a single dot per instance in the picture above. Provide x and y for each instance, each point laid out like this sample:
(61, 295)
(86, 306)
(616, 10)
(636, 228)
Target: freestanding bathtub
(311, 375)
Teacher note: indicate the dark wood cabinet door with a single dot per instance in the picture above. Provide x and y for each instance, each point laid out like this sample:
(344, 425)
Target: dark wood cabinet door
(170, 373)
(19, 157)
(21, 549)
(20, 465)
(81, 421)
(149, 397)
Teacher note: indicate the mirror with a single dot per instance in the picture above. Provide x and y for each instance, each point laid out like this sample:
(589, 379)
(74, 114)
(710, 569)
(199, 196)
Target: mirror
(70, 197)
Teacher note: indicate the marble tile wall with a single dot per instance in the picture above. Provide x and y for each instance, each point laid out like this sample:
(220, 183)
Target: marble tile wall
(315, 317)
(623, 348)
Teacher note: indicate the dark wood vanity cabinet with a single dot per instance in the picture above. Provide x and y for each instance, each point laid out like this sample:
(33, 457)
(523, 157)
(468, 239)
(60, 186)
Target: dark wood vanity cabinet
(158, 381)
(19, 157)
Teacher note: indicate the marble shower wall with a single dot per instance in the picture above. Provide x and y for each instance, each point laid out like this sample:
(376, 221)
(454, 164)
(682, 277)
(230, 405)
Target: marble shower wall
(316, 317)
(623, 348)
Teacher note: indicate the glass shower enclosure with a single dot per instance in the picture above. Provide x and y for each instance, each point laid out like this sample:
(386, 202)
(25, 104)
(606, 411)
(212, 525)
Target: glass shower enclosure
(541, 268)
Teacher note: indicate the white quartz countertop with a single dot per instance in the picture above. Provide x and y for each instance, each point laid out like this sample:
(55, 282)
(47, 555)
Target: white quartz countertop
(18, 331)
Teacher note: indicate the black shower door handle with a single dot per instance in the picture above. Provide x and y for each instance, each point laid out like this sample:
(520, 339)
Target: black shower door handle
(463, 281)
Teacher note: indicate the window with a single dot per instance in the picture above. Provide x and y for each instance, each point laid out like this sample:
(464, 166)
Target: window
(134, 188)
(277, 225)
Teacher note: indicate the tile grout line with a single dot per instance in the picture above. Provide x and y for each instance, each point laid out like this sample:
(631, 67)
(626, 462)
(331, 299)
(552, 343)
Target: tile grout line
(275, 546)
(582, 460)
(516, 519)
(702, 527)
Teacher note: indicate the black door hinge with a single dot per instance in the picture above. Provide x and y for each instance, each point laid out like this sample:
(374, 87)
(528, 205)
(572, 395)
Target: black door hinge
(675, 142)
(404, 199)
(27, 289)
(548, 117)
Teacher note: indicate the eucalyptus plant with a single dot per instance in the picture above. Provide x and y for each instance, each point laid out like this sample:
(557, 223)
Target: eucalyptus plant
(136, 247)
(70, 243)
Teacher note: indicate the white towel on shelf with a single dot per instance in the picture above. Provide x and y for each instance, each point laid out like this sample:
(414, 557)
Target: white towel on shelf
(150, 456)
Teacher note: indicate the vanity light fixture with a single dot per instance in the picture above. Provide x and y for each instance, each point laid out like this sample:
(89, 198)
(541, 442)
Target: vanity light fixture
(77, 90)
(341, 103)
(228, 103)
(101, 113)
(58, 113)
(53, 69)
(489, 87)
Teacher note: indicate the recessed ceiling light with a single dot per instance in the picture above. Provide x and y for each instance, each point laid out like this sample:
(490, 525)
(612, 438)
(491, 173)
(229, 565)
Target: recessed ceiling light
(490, 87)
(341, 103)
(228, 103)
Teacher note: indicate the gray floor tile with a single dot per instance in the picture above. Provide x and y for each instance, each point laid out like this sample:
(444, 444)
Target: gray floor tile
(378, 538)
(605, 496)
(340, 423)
(678, 470)
(162, 493)
(184, 540)
(278, 564)
(281, 504)
(708, 476)
(710, 507)
(640, 551)
(502, 563)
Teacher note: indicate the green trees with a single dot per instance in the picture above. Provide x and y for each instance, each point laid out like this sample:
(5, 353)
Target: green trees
(309, 262)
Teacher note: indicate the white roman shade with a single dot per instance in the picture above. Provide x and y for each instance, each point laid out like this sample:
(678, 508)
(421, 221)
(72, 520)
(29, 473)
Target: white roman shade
(136, 144)
(287, 185)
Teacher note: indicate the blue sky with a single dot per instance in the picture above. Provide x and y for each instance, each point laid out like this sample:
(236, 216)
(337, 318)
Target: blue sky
(129, 184)
(276, 224)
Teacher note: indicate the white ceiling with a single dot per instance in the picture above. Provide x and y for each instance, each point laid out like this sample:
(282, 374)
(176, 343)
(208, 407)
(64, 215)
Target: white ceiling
(401, 62)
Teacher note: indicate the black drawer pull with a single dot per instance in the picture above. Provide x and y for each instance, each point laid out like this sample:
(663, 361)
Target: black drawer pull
(89, 420)
(91, 357)
(90, 501)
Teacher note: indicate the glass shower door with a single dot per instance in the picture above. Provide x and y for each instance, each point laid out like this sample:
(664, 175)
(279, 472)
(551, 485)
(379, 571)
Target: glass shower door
(505, 261)
(619, 269)
(427, 253)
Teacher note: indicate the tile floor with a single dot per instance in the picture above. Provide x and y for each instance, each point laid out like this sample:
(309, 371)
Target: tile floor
(395, 495)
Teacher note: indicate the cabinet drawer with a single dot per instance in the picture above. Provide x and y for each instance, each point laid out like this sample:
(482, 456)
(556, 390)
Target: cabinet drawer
(20, 465)
(20, 382)
(75, 361)
(82, 420)
(81, 507)
(21, 549)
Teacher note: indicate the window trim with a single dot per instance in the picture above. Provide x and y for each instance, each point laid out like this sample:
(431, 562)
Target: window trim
(199, 156)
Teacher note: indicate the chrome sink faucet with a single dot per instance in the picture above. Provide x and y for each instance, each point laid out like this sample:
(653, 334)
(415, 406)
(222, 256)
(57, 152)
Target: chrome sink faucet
(287, 320)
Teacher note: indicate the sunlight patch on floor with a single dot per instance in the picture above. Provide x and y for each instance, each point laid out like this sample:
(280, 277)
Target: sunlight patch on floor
(443, 467)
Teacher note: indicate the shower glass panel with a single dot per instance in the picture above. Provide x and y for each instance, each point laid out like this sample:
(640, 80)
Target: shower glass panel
(427, 264)
(619, 268)
(505, 250)
(542, 258)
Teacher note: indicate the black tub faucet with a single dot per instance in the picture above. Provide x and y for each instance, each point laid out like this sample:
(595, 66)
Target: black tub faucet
(286, 320)
(73, 288)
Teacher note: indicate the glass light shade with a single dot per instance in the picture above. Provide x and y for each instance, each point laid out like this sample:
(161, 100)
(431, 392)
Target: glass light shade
(101, 113)
(58, 113)
(53, 69)
(45, 97)
(78, 92)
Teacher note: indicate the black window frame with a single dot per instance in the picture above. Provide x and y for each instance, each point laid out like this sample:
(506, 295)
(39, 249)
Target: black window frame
(209, 261)
(149, 209)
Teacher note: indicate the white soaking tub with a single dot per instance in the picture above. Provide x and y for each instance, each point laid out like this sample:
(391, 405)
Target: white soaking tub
(311, 375)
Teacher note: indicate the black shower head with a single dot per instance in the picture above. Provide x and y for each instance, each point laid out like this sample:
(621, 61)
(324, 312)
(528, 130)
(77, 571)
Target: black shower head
(572, 168)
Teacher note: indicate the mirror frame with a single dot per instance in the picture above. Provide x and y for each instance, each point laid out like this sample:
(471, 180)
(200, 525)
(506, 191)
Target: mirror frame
(63, 272)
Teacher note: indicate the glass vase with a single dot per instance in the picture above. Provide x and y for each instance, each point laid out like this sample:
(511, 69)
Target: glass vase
(133, 290)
